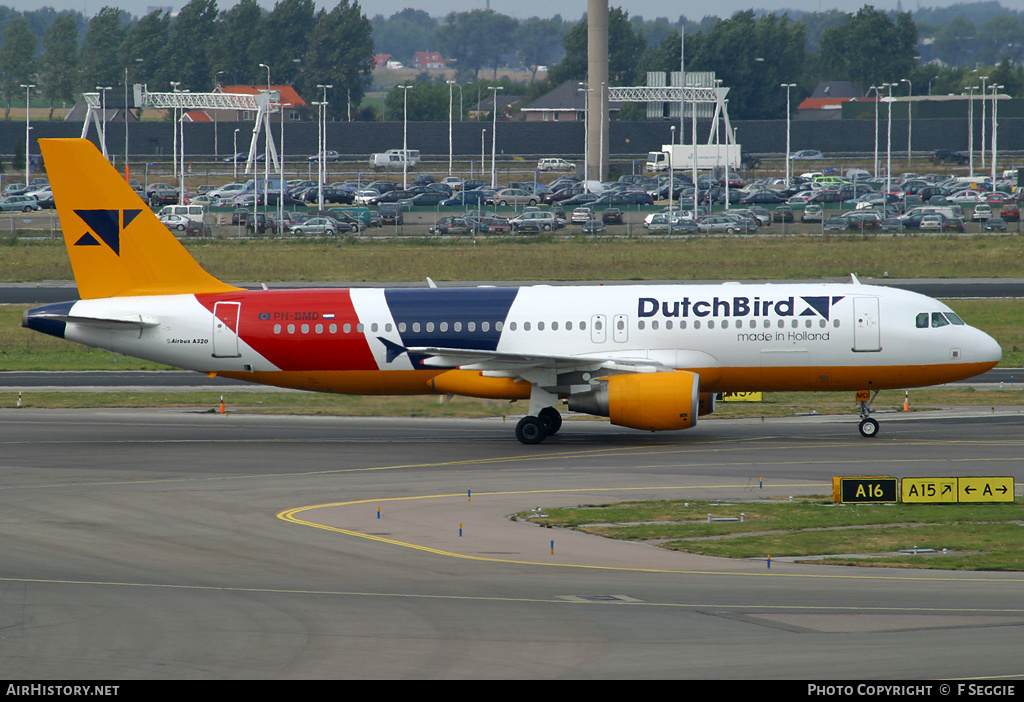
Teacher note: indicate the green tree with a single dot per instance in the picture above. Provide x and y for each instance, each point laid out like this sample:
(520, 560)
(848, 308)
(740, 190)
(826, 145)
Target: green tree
(235, 29)
(871, 48)
(475, 39)
(16, 64)
(340, 54)
(58, 72)
(955, 40)
(539, 42)
(100, 59)
(625, 50)
(281, 41)
(186, 55)
(144, 40)
(404, 33)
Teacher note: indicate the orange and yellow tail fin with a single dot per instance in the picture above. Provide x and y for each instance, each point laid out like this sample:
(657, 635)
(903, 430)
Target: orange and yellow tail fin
(117, 245)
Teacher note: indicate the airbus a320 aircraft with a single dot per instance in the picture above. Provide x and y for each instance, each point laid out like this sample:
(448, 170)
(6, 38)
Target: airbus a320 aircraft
(647, 357)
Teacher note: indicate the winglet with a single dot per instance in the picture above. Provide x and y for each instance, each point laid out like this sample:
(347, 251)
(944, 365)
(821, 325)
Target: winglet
(116, 244)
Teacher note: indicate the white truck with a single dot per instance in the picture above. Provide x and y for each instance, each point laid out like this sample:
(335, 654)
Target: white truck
(709, 156)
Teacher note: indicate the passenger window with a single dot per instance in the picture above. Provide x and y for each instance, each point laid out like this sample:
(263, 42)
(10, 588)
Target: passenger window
(939, 320)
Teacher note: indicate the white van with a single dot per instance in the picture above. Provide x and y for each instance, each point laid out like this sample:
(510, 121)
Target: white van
(395, 159)
(193, 212)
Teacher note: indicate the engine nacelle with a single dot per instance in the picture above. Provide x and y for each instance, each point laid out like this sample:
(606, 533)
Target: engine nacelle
(649, 401)
(707, 403)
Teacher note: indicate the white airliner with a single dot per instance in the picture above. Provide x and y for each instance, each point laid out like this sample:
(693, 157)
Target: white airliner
(647, 357)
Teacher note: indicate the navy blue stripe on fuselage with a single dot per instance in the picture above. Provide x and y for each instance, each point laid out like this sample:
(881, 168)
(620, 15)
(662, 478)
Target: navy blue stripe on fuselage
(465, 318)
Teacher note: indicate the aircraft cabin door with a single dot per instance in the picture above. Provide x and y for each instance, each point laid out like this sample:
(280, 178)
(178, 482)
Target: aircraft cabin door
(866, 328)
(225, 329)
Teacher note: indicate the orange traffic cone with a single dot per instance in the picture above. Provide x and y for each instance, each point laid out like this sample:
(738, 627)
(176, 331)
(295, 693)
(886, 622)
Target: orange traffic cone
(906, 400)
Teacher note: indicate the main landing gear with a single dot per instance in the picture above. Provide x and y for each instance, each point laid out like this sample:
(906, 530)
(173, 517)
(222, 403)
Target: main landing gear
(868, 425)
(533, 430)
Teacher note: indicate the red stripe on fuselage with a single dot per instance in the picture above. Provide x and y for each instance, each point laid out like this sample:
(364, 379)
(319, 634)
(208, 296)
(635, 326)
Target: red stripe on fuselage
(304, 340)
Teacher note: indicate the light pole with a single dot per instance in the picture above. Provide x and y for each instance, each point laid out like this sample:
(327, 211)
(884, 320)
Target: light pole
(995, 89)
(787, 86)
(174, 112)
(970, 127)
(266, 149)
(910, 118)
(28, 128)
(494, 132)
(321, 171)
(983, 79)
(405, 136)
(483, 157)
(586, 134)
(451, 103)
(103, 106)
(875, 88)
(888, 142)
(216, 112)
(671, 170)
(234, 156)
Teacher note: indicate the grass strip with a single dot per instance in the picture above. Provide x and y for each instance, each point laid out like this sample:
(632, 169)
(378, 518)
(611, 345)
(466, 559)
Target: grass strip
(975, 536)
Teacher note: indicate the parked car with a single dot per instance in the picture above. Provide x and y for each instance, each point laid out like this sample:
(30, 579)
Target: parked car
(811, 213)
(391, 213)
(783, 213)
(451, 225)
(806, 155)
(555, 164)
(1010, 213)
(322, 226)
(593, 226)
(175, 221)
(515, 197)
(995, 224)
(663, 222)
(581, 214)
(19, 203)
(536, 221)
(948, 156)
(328, 156)
(494, 225)
(981, 213)
(613, 215)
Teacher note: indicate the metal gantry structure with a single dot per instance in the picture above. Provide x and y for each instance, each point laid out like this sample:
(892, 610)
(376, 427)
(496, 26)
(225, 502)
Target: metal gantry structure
(691, 95)
(263, 105)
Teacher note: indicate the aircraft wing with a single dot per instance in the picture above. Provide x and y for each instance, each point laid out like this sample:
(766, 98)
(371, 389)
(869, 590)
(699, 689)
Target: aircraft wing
(516, 363)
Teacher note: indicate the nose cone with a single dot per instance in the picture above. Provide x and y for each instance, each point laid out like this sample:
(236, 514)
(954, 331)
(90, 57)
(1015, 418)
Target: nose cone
(985, 349)
(48, 319)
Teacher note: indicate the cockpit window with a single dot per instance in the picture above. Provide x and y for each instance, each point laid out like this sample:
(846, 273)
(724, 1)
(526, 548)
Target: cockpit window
(951, 316)
(939, 319)
(922, 320)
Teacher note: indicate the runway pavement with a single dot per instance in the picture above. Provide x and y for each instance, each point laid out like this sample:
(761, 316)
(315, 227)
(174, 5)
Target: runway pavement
(175, 544)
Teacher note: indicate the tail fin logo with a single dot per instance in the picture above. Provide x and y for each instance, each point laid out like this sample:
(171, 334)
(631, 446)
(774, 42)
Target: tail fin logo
(107, 225)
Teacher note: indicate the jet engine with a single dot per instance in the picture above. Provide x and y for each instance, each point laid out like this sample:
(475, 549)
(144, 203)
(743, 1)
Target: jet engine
(649, 401)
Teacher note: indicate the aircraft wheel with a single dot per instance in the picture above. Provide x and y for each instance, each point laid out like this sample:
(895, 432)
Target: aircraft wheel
(869, 428)
(552, 420)
(531, 430)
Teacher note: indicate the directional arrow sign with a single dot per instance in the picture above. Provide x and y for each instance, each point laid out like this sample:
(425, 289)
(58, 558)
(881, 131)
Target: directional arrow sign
(985, 489)
(934, 490)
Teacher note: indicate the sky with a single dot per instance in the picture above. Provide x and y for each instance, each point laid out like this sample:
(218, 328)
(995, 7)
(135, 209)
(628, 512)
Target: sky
(521, 8)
